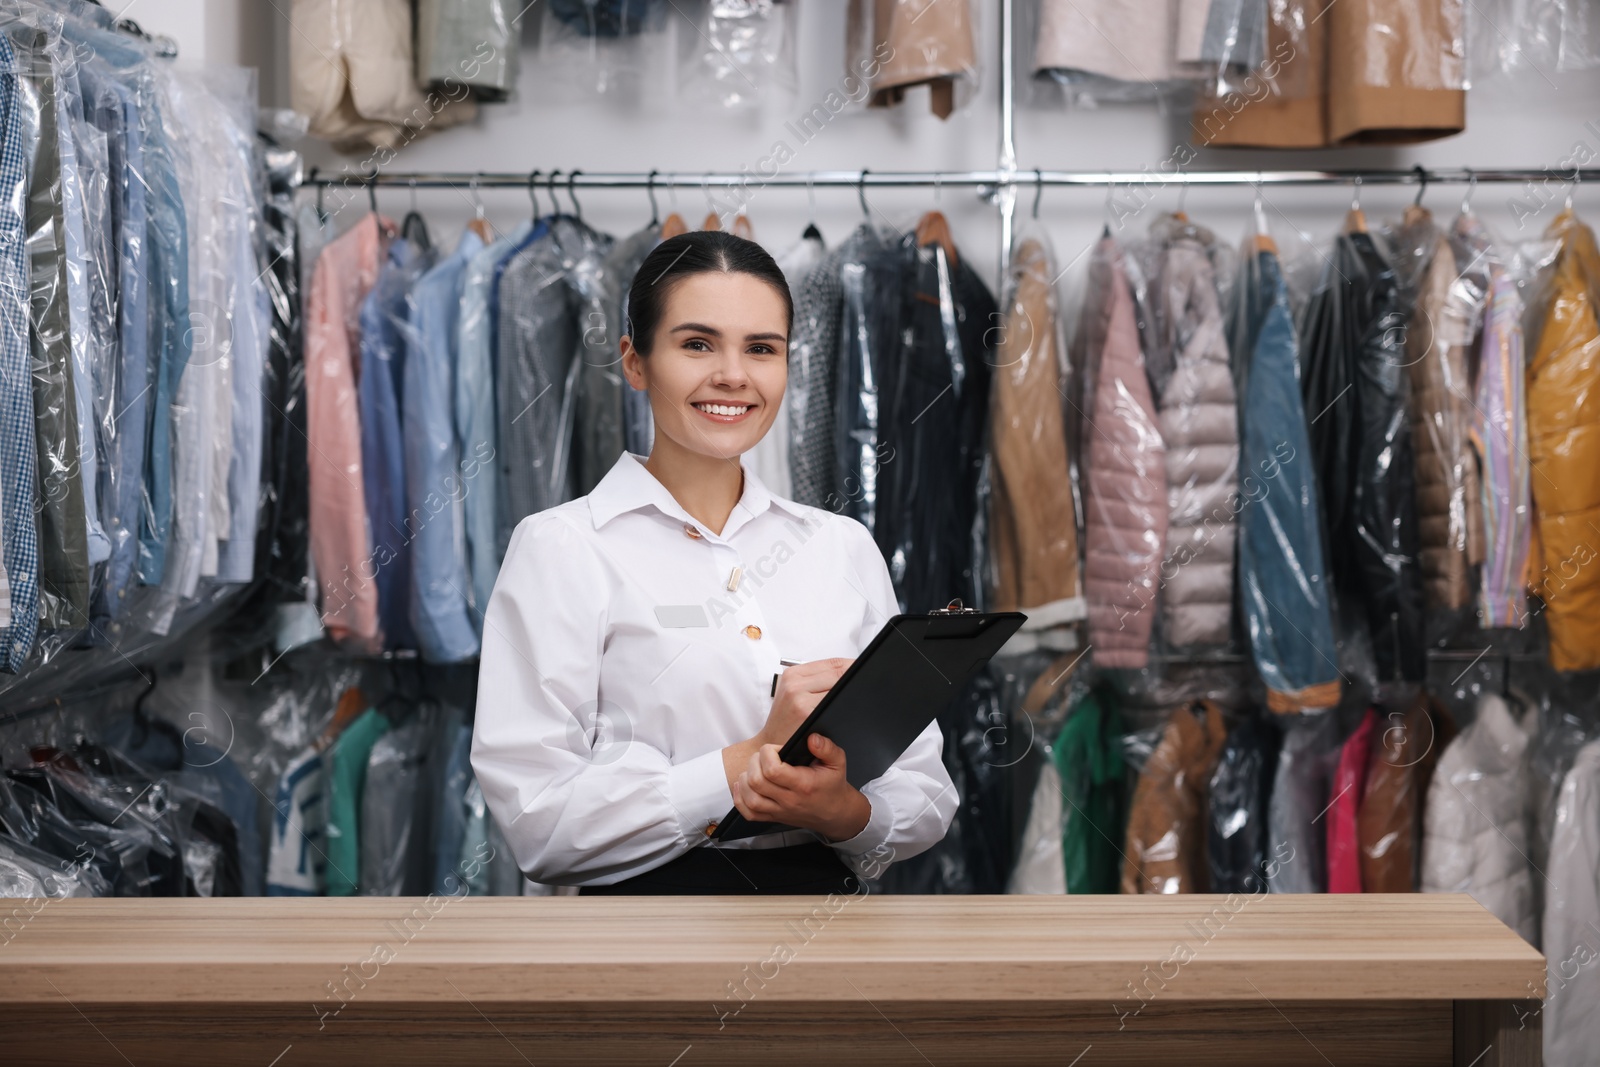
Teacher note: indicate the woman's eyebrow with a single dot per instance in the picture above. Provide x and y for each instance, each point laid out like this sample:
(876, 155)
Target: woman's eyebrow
(766, 337)
(697, 327)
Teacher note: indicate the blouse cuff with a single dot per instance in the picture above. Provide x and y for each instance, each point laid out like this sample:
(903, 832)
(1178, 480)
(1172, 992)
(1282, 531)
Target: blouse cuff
(698, 791)
(876, 833)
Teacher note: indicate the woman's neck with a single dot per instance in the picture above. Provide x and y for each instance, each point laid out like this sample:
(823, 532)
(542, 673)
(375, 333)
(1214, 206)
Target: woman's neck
(706, 486)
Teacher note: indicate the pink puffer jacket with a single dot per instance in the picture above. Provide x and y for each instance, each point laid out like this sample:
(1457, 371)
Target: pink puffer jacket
(1124, 470)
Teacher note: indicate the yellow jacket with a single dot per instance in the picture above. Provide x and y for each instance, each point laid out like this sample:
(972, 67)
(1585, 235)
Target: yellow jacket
(1564, 448)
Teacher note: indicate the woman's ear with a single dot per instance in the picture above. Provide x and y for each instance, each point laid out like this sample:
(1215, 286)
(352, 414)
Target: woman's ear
(632, 364)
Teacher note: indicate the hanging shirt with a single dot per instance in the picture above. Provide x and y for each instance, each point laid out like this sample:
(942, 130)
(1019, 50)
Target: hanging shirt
(296, 853)
(18, 455)
(617, 664)
(475, 429)
(770, 457)
(347, 778)
(341, 542)
(1349, 785)
(437, 481)
(385, 323)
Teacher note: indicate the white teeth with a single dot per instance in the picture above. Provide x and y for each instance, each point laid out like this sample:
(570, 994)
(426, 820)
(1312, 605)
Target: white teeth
(725, 409)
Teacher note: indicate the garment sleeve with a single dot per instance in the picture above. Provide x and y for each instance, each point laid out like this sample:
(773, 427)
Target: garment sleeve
(914, 801)
(578, 801)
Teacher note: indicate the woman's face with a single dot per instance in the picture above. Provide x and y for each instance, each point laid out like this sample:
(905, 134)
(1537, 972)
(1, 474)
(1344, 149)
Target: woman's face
(718, 367)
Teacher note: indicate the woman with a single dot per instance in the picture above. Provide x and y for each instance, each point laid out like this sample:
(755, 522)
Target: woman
(632, 688)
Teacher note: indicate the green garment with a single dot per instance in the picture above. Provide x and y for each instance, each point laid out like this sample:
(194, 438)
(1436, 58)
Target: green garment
(1088, 755)
(345, 782)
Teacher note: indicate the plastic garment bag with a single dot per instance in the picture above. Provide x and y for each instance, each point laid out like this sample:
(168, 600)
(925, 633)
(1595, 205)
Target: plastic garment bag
(1039, 867)
(1124, 469)
(812, 395)
(469, 43)
(1396, 70)
(602, 46)
(117, 860)
(1285, 594)
(543, 290)
(1354, 387)
(1033, 523)
(747, 54)
(1300, 795)
(1439, 332)
(389, 807)
(1088, 757)
(347, 772)
(1236, 807)
(871, 287)
(1165, 849)
(1187, 358)
(1405, 748)
(1564, 444)
(1475, 832)
(896, 44)
(1530, 36)
(30, 873)
(604, 430)
(1571, 917)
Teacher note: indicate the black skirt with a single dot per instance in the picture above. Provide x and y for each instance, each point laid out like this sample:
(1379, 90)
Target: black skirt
(792, 869)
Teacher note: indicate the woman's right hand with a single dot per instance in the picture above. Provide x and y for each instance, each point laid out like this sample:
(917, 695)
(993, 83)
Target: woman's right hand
(800, 689)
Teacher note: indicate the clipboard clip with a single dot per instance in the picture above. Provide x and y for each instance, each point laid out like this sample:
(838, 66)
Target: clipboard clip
(955, 607)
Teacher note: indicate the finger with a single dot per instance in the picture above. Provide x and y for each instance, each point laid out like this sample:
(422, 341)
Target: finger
(826, 752)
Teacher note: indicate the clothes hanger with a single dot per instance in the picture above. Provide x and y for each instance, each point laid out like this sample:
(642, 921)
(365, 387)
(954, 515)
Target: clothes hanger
(351, 704)
(650, 191)
(712, 221)
(1178, 212)
(1415, 213)
(550, 187)
(1356, 220)
(479, 224)
(533, 193)
(861, 195)
(673, 225)
(1472, 186)
(322, 215)
(1111, 189)
(572, 194)
(1038, 189)
(1262, 241)
(415, 227)
(811, 233)
(933, 227)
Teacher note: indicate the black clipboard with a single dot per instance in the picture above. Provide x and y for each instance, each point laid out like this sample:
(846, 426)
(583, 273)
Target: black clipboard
(903, 679)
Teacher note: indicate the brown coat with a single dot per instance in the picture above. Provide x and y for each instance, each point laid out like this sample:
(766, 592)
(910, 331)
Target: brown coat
(1165, 850)
(1449, 497)
(915, 42)
(1033, 524)
(1388, 824)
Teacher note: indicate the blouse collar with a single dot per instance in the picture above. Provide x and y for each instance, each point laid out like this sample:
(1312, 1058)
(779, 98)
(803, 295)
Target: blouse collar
(628, 486)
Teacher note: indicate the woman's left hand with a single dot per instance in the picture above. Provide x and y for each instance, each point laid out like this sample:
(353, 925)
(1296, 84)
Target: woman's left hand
(817, 797)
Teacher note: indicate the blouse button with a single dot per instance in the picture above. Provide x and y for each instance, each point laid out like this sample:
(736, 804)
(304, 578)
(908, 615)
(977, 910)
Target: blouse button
(753, 632)
(690, 531)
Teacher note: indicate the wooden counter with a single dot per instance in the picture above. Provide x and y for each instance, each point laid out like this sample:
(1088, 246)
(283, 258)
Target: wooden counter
(1193, 980)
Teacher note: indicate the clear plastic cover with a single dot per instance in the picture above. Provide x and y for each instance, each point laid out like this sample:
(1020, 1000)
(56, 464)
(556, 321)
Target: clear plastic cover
(1438, 336)
(1475, 836)
(472, 43)
(1033, 523)
(1531, 37)
(1300, 795)
(1405, 748)
(1165, 849)
(1563, 433)
(1344, 803)
(1114, 53)
(1276, 101)
(1123, 457)
(744, 53)
(1088, 756)
(1238, 845)
(1354, 386)
(1188, 362)
(1397, 72)
(602, 46)
(1285, 595)
(34, 874)
(1571, 1027)
(391, 831)
(895, 45)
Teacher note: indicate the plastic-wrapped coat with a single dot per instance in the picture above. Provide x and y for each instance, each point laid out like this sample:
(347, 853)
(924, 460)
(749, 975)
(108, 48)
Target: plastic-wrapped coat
(1088, 755)
(1449, 505)
(1401, 764)
(1475, 837)
(1349, 782)
(1125, 523)
(1571, 916)
(1165, 849)
(1200, 426)
(1236, 805)
(1564, 447)
(1033, 526)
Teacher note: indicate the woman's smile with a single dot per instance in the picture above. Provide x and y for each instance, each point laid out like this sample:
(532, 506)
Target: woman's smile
(725, 411)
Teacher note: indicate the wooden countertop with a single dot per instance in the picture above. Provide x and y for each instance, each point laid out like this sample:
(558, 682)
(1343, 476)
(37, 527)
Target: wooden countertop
(890, 948)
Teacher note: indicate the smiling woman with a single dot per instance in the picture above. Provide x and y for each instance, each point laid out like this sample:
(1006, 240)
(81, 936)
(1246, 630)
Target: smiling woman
(617, 718)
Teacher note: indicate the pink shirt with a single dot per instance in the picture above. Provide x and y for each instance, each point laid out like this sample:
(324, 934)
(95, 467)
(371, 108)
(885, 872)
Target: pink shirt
(341, 538)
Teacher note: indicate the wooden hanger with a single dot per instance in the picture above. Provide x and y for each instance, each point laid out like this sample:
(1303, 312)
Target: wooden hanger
(673, 225)
(713, 222)
(1356, 220)
(351, 705)
(934, 227)
(480, 226)
(742, 227)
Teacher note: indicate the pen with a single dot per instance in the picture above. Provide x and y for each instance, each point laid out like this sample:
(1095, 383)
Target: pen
(782, 663)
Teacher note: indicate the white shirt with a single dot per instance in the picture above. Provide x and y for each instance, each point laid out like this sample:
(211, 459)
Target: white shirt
(602, 716)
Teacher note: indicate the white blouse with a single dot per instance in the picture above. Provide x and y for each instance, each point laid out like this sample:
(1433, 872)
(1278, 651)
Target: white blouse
(625, 645)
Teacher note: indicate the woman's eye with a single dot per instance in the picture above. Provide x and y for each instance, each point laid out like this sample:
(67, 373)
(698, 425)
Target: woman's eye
(697, 345)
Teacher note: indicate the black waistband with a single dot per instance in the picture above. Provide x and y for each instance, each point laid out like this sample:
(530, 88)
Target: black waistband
(799, 869)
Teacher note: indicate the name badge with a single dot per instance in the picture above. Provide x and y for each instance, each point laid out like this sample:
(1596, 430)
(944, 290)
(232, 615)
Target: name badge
(679, 616)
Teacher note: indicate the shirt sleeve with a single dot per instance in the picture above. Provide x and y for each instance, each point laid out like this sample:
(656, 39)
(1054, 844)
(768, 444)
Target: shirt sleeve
(914, 801)
(579, 802)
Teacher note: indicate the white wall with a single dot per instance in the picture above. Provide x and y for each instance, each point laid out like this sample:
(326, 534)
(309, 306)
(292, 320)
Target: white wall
(1534, 122)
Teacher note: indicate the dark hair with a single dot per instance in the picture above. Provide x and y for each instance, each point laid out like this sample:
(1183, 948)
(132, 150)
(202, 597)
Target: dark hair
(697, 252)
